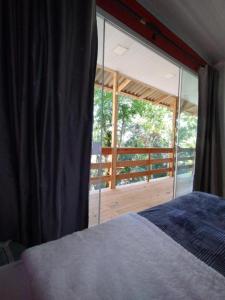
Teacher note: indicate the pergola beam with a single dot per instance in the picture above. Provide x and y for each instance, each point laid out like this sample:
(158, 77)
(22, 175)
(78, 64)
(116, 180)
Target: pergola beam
(123, 84)
(137, 89)
(134, 97)
(161, 98)
(146, 93)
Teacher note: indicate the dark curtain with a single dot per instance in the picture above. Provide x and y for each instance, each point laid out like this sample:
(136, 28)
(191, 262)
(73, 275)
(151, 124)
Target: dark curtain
(210, 148)
(48, 52)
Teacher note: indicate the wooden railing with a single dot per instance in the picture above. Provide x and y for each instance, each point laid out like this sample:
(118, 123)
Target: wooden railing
(120, 164)
(149, 163)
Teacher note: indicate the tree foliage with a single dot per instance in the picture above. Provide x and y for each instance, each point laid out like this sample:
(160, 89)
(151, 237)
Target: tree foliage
(140, 124)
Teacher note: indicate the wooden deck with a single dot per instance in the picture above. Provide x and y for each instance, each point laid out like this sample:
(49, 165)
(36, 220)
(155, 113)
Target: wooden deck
(129, 198)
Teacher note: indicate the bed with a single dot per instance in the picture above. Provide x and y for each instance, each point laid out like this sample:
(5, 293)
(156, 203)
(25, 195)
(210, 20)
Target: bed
(172, 251)
(197, 222)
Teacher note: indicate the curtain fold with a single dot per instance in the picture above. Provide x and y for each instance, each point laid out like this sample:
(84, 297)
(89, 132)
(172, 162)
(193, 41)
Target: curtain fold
(210, 152)
(48, 53)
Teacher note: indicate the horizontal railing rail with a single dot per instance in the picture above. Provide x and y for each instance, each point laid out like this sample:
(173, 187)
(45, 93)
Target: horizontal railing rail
(150, 162)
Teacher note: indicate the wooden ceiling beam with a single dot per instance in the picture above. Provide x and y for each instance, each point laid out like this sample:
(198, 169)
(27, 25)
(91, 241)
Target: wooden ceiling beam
(162, 98)
(124, 84)
(154, 93)
(172, 100)
(135, 81)
(139, 89)
(134, 97)
(146, 93)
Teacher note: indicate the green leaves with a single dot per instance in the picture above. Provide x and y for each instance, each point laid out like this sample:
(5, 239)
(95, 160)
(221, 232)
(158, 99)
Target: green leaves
(140, 123)
(187, 130)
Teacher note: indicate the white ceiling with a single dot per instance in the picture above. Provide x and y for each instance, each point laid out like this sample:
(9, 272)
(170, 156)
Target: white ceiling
(138, 62)
(200, 23)
(142, 63)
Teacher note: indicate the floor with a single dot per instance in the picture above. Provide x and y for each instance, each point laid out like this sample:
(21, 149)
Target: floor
(129, 198)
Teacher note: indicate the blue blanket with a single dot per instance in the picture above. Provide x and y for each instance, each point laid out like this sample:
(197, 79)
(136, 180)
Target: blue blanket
(197, 222)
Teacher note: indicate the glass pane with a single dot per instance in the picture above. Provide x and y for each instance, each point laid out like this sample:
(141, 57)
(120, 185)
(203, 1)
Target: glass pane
(137, 125)
(187, 132)
(145, 125)
(96, 157)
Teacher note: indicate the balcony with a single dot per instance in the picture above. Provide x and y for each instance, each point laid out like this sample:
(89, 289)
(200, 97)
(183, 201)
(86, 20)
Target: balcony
(121, 195)
(115, 169)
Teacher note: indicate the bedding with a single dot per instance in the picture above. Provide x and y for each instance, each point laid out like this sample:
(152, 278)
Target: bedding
(135, 256)
(197, 222)
(125, 258)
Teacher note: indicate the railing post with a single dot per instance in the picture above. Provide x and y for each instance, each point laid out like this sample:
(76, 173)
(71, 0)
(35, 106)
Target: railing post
(149, 167)
(114, 130)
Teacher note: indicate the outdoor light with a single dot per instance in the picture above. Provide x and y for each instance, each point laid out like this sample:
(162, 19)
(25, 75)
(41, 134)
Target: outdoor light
(120, 50)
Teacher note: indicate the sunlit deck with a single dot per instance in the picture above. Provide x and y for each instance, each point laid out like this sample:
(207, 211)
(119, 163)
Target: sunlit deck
(130, 198)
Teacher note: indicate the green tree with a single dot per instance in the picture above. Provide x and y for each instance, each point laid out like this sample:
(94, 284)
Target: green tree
(140, 124)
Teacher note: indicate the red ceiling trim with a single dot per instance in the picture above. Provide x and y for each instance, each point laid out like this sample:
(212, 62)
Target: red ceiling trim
(136, 17)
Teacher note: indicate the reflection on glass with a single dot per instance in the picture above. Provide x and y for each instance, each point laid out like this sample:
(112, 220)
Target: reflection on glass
(187, 132)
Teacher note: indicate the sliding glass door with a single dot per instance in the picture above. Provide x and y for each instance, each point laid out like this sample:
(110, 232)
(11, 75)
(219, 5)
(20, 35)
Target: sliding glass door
(144, 130)
(186, 132)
